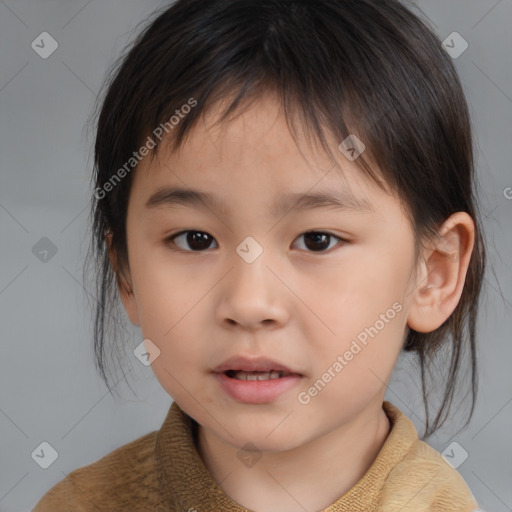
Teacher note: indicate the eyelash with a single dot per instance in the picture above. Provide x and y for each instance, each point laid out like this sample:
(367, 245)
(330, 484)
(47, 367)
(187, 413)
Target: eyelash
(170, 240)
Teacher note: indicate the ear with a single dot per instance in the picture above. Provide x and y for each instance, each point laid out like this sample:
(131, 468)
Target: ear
(124, 284)
(442, 273)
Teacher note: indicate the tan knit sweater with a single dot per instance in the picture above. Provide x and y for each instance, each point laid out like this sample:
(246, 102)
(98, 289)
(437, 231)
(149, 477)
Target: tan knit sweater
(163, 472)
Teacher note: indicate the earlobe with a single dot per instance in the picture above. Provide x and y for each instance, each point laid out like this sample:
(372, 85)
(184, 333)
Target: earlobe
(124, 286)
(442, 274)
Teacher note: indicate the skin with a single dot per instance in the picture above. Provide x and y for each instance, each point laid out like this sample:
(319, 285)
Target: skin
(295, 304)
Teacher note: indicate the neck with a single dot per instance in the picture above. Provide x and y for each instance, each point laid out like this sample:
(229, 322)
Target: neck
(309, 477)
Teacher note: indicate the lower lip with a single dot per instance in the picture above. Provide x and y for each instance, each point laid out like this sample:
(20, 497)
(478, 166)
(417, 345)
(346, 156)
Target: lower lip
(256, 391)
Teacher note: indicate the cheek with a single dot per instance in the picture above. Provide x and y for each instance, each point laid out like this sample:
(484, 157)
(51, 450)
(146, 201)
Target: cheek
(356, 292)
(169, 304)
(362, 308)
(172, 325)
(164, 293)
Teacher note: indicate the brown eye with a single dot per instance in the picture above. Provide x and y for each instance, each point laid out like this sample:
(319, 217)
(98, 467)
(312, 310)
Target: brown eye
(197, 241)
(319, 241)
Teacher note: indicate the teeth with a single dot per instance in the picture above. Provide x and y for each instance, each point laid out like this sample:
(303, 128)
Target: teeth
(241, 375)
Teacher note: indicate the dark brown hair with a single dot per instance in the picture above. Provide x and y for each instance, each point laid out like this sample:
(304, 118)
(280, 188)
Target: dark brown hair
(371, 68)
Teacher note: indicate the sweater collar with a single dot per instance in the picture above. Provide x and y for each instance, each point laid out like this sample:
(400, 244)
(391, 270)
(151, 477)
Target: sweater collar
(186, 484)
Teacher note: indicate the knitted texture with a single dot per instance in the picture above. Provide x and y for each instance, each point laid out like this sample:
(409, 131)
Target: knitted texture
(163, 472)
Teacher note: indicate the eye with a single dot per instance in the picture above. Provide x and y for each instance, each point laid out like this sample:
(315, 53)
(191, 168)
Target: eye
(198, 241)
(318, 241)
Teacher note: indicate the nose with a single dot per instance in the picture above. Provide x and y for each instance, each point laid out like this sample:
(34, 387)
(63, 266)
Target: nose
(253, 296)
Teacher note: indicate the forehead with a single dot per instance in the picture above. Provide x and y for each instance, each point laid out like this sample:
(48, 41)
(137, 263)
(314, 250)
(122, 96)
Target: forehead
(253, 154)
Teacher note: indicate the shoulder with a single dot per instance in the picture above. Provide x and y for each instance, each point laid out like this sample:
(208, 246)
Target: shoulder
(423, 481)
(124, 477)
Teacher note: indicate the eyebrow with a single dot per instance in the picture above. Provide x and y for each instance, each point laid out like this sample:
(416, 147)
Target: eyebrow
(168, 197)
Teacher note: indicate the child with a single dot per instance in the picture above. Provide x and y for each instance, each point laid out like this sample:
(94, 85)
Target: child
(257, 129)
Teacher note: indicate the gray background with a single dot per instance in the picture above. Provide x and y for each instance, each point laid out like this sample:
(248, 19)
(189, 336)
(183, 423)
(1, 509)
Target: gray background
(49, 389)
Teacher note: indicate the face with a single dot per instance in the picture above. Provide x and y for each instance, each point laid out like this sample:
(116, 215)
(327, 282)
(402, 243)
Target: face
(319, 288)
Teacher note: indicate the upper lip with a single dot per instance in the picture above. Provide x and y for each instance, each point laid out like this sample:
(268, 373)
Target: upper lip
(253, 364)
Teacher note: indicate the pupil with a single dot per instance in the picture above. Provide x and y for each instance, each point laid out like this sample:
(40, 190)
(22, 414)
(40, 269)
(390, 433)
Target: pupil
(320, 240)
(198, 240)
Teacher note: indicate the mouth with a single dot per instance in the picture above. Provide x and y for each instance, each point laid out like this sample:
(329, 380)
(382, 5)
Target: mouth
(257, 387)
(244, 367)
(244, 375)
(256, 380)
